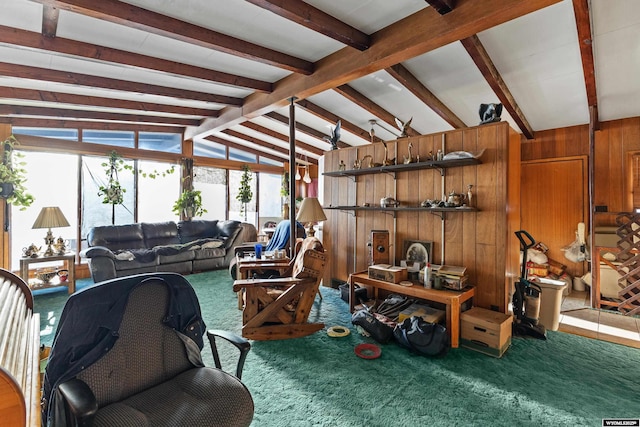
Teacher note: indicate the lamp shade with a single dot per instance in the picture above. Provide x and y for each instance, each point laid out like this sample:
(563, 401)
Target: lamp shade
(50, 217)
(310, 211)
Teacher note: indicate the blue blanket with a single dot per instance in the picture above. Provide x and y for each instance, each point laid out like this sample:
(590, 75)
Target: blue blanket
(280, 238)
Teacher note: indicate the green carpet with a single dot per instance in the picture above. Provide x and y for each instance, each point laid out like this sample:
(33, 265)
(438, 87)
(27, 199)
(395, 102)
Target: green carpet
(319, 381)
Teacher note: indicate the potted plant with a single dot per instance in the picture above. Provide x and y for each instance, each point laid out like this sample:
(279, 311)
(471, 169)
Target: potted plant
(244, 193)
(189, 204)
(13, 176)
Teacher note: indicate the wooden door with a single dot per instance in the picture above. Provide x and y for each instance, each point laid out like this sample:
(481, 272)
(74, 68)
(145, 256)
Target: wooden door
(553, 201)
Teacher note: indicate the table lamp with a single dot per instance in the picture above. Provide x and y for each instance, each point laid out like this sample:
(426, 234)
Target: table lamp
(310, 212)
(50, 217)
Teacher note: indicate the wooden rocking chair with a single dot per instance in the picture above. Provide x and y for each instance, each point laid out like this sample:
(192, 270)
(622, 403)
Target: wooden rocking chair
(279, 308)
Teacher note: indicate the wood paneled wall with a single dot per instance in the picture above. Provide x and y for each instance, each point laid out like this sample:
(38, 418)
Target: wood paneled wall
(615, 143)
(482, 241)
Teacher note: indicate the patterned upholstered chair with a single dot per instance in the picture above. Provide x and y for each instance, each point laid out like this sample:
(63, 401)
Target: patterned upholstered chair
(127, 353)
(278, 308)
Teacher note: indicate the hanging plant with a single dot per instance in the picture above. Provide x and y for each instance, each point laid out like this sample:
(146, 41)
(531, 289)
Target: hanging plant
(189, 204)
(112, 193)
(284, 188)
(244, 193)
(13, 176)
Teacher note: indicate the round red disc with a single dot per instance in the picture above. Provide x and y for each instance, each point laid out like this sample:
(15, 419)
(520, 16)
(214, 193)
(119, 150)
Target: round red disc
(368, 351)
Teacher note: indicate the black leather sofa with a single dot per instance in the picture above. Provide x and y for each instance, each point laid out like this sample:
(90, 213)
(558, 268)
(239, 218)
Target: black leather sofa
(181, 247)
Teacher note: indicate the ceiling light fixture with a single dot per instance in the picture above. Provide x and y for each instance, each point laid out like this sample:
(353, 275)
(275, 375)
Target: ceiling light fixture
(307, 177)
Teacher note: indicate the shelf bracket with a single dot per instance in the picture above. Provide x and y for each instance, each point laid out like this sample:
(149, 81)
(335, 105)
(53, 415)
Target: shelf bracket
(438, 213)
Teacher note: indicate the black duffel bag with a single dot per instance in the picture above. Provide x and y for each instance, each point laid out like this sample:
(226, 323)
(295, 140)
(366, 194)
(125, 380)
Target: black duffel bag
(378, 330)
(422, 337)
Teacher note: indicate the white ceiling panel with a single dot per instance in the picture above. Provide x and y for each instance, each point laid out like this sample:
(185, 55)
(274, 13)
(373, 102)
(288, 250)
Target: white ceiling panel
(617, 57)
(538, 57)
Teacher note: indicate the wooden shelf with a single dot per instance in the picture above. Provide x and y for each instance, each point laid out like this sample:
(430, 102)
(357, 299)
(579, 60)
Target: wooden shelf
(402, 208)
(439, 165)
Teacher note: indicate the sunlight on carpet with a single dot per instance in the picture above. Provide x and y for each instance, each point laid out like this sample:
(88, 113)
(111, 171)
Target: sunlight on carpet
(319, 381)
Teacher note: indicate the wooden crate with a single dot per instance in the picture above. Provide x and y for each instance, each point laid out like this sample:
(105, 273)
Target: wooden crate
(486, 331)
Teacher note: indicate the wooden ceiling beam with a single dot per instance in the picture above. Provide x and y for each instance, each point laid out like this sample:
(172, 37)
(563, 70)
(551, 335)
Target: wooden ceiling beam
(20, 110)
(407, 38)
(483, 61)
(260, 142)
(50, 17)
(442, 6)
(315, 19)
(72, 99)
(363, 102)
(46, 74)
(86, 124)
(122, 13)
(230, 144)
(409, 81)
(585, 40)
(18, 37)
(279, 118)
(321, 113)
(299, 144)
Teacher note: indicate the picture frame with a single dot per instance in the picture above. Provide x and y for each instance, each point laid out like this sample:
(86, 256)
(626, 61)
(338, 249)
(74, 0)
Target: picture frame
(417, 251)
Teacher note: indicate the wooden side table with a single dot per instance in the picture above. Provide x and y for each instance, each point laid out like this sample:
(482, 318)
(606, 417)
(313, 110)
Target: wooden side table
(452, 299)
(68, 263)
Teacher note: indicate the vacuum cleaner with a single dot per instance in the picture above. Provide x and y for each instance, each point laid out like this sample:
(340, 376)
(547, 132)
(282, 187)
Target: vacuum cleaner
(526, 298)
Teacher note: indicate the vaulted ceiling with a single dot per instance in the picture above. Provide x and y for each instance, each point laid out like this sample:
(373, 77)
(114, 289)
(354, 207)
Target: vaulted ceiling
(227, 70)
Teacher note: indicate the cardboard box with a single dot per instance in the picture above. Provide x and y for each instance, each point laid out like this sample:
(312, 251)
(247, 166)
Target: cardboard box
(486, 331)
(429, 314)
(388, 273)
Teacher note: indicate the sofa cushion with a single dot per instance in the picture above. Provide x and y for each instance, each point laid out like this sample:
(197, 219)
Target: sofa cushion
(160, 233)
(117, 237)
(228, 228)
(197, 229)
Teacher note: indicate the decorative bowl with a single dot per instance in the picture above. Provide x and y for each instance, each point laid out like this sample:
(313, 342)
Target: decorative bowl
(45, 275)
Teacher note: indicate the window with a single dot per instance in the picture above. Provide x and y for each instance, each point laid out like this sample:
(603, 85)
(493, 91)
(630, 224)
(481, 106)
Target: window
(269, 198)
(241, 156)
(212, 182)
(234, 205)
(66, 134)
(51, 179)
(268, 161)
(94, 211)
(109, 137)
(165, 142)
(156, 196)
(206, 148)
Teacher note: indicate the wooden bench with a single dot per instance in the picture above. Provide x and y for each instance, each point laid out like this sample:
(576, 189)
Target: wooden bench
(19, 353)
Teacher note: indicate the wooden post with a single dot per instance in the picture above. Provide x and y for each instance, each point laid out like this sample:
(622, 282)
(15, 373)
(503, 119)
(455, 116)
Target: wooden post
(292, 174)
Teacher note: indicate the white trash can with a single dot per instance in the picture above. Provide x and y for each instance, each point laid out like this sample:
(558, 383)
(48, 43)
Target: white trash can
(550, 302)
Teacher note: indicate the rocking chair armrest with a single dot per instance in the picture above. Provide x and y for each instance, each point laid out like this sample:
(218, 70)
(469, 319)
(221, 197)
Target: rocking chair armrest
(238, 285)
(242, 344)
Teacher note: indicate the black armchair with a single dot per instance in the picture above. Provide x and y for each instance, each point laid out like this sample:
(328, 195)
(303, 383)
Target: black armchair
(127, 353)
